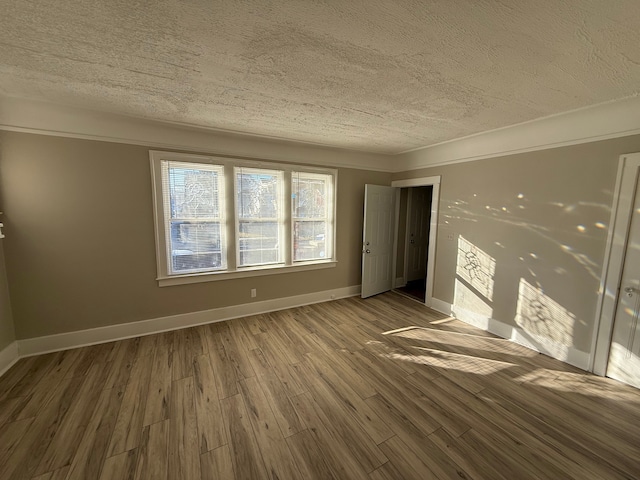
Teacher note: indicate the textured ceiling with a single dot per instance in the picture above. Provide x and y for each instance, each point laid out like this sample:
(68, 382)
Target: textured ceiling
(383, 76)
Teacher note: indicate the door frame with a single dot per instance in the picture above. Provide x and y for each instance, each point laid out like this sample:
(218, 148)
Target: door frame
(614, 256)
(433, 226)
(410, 192)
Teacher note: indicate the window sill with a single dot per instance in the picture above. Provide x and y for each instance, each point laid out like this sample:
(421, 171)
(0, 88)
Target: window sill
(243, 273)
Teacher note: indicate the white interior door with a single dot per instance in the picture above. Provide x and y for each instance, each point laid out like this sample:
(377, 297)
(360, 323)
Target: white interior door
(377, 239)
(419, 209)
(624, 355)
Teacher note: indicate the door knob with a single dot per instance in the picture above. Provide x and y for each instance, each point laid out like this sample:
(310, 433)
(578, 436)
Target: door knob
(367, 251)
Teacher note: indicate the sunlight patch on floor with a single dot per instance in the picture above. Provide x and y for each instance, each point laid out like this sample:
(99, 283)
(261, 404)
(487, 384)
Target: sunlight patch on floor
(452, 361)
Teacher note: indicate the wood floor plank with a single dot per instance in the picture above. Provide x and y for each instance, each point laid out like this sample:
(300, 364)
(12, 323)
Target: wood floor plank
(124, 356)
(421, 411)
(281, 368)
(128, 428)
(259, 362)
(331, 445)
(340, 390)
(338, 418)
(235, 354)
(386, 472)
(224, 371)
(184, 448)
(120, 467)
(147, 346)
(216, 464)
(210, 425)
(153, 452)
(11, 408)
(240, 333)
(182, 362)
(286, 416)
(24, 460)
(406, 461)
(14, 375)
(92, 449)
(42, 365)
(59, 474)
(277, 458)
(245, 453)
(472, 461)
(10, 437)
(64, 443)
(158, 396)
(303, 447)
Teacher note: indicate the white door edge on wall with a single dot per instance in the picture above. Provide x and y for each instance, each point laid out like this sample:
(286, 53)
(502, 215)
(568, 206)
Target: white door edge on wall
(623, 199)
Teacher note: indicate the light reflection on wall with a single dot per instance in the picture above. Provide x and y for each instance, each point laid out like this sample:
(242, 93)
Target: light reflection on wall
(476, 268)
(464, 298)
(544, 319)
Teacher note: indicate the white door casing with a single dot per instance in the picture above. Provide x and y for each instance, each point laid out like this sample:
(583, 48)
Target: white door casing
(433, 225)
(378, 239)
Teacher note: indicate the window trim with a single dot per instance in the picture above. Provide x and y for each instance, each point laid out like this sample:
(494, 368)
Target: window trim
(233, 270)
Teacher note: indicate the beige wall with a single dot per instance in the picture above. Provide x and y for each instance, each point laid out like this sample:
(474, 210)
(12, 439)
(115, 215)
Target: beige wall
(81, 252)
(553, 238)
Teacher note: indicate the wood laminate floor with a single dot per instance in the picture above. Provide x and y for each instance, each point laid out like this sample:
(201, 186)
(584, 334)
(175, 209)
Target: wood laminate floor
(374, 389)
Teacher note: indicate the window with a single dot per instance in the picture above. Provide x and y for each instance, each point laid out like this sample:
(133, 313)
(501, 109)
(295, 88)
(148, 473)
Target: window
(195, 229)
(312, 212)
(259, 215)
(222, 218)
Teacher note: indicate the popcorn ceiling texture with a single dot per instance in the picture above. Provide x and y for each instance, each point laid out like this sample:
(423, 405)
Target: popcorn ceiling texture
(375, 75)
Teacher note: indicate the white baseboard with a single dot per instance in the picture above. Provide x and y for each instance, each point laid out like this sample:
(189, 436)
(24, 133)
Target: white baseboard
(564, 353)
(440, 306)
(81, 338)
(8, 356)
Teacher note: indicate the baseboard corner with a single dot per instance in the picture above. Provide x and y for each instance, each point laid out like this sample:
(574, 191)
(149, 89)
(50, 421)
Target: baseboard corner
(8, 357)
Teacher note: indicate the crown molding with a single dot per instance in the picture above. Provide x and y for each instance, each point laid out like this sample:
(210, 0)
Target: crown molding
(601, 122)
(43, 118)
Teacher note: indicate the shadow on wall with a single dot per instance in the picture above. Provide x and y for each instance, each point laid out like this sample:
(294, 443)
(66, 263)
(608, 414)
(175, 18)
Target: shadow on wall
(531, 278)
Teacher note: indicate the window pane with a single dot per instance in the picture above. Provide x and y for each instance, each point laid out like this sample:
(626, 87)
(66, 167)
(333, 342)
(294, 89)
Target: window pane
(260, 218)
(309, 196)
(258, 243)
(194, 216)
(195, 246)
(194, 193)
(312, 212)
(309, 240)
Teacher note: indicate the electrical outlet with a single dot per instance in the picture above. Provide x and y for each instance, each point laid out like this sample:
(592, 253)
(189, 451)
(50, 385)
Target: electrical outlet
(253, 293)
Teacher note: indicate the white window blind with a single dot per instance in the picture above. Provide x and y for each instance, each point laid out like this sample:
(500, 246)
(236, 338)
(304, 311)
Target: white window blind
(312, 215)
(259, 216)
(193, 196)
